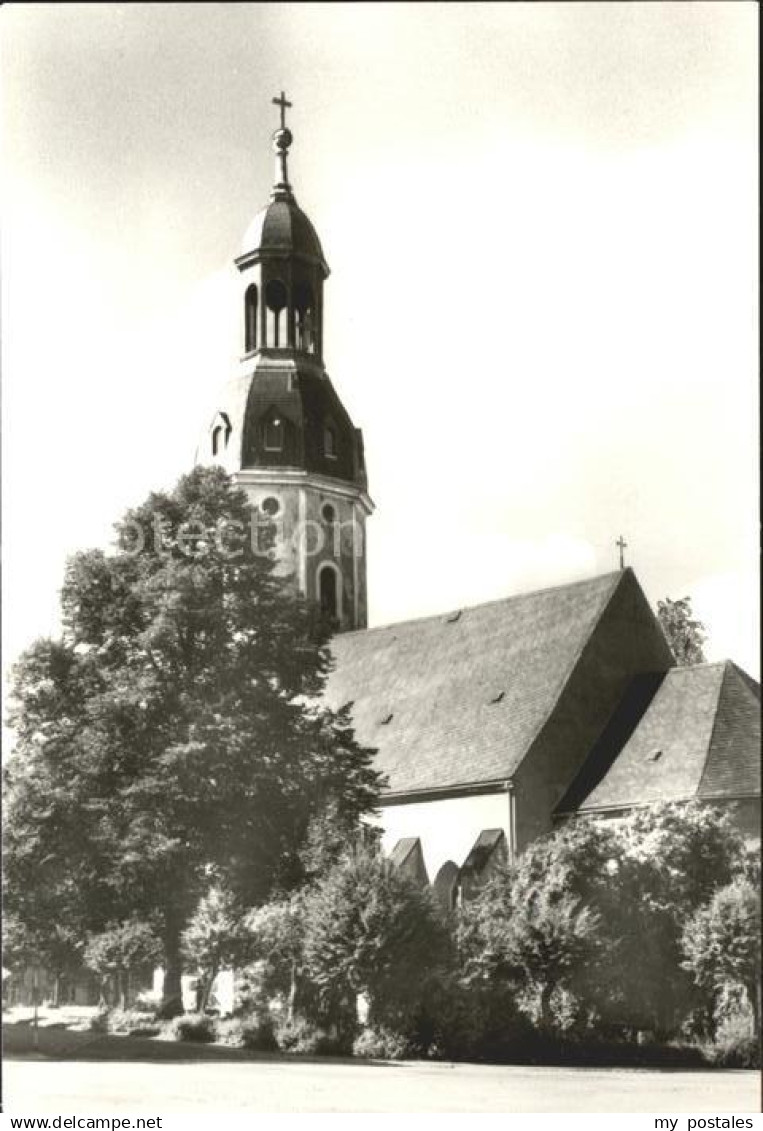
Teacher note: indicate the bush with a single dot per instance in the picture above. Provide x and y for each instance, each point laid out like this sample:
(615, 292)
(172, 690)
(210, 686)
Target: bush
(132, 1022)
(590, 1051)
(194, 1027)
(368, 929)
(230, 1032)
(250, 993)
(259, 1034)
(477, 1022)
(99, 1022)
(306, 1039)
(735, 1052)
(381, 1044)
(254, 1032)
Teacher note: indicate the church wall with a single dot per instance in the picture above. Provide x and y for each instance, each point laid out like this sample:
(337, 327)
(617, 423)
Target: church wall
(305, 540)
(626, 641)
(361, 575)
(339, 546)
(286, 521)
(447, 827)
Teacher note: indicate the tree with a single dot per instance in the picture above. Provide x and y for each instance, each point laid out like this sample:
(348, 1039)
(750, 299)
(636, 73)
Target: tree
(671, 859)
(44, 885)
(216, 937)
(686, 636)
(536, 928)
(593, 914)
(277, 937)
(369, 930)
(176, 728)
(722, 945)
(118, 952)
(56, 949)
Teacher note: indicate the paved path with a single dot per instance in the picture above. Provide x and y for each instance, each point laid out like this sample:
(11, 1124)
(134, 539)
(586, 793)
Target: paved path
(44, 1085)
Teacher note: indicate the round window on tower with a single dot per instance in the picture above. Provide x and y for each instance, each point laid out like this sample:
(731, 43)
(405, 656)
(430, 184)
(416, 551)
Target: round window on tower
(328, 512)
(270, 506)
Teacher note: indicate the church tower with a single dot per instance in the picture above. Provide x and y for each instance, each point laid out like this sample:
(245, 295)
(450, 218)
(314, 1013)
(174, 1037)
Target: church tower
(280, 428)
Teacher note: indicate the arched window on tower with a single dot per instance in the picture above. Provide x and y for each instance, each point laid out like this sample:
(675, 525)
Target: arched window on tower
(329, 591)
(329, 441)
(276, 300)
(329, 516)
(250, 318)
(220, 430)
(303, 318)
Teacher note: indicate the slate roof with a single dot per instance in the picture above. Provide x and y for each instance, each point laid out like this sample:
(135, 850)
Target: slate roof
(692, 732)
(303, 395)
(282, 227)
(457, 699)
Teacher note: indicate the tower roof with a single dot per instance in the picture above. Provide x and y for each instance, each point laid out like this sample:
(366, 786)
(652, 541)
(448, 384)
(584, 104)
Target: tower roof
(282, 228)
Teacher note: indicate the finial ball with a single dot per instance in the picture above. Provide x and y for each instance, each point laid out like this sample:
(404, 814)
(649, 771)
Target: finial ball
(282, 139)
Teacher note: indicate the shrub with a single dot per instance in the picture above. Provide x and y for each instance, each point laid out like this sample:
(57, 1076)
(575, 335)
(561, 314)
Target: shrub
(367, 929)
(477, 1022)
(133, 1022)
(735, 1044)
(735, 1052)
(99, 1022)
(721, 943)
(194, 1027)
(250, 989)
(253, 1032)
(259, 1034)
(590, 1051)
(304, 1038)
(230, 1032)
(381, 1044)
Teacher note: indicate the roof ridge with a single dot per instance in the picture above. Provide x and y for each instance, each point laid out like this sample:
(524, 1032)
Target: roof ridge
(711, 740)
(746, 677)
(706, 666)
(612, 576)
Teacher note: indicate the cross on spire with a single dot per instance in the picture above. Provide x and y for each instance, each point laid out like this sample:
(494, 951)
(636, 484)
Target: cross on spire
(622, 545)
(282, 105)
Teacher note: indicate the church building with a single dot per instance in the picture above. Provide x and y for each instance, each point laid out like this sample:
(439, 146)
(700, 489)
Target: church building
(493, 723)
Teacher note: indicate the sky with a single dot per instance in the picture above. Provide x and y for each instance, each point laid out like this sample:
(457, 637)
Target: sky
(541, 221)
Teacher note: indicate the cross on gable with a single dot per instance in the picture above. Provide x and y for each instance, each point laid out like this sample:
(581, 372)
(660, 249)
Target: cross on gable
(622, 545)
(282, 104)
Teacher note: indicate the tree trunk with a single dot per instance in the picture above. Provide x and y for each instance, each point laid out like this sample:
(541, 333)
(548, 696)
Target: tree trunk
(172, 991)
